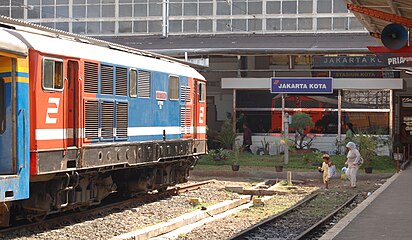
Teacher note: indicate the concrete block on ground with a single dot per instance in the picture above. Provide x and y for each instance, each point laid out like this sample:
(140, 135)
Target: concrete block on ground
(185, 219)
(263, 192)
(257, 201)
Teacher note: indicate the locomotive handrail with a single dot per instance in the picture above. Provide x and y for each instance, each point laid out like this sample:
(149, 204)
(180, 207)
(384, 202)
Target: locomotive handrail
(23, 111)
(24, 138)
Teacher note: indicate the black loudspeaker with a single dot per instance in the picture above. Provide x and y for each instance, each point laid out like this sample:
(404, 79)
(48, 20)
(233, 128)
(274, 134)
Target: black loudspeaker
(394, 36)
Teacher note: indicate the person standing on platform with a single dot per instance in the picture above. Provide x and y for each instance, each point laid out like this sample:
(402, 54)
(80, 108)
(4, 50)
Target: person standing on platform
(352, 158)
(404, 138)
(404, 135)
(247, 138)
(350, 133)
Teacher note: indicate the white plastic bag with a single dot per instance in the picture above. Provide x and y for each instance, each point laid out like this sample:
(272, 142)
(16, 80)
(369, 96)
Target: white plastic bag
(344, 175)
(332, 171)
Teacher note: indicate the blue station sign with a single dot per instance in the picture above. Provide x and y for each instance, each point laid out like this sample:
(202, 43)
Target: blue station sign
(302, 85)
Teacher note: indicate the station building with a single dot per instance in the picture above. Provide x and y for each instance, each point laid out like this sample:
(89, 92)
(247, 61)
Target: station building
(240, 45)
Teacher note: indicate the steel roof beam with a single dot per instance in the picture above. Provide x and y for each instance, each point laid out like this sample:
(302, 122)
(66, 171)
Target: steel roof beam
(365, 18)
(393, 7)
(407, 22)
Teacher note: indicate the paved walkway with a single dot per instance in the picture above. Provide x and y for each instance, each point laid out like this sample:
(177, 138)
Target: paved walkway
(387, 215)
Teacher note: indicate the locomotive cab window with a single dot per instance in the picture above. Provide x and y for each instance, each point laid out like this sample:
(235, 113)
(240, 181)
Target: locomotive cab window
(52, 74)
(2, 107)
(202, 92)
(173, 88)
(132, 83)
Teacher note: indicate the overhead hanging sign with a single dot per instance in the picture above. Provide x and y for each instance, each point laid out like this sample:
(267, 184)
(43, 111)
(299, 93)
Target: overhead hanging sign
(393, 58)
(302, 85)
(346, 61)
(396, 59)
(365, 74)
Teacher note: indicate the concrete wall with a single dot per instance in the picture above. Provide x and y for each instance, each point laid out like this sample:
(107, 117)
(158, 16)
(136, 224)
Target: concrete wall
(324, 143)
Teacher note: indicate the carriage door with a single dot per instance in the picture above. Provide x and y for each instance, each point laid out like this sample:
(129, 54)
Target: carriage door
(71, 100)
(200, 115)
(7, 113)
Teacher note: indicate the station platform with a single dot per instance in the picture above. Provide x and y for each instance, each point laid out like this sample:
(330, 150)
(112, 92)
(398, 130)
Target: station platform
(385, 214)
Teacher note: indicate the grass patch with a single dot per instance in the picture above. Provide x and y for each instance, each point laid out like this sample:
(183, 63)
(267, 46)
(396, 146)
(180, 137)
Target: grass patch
(301, 162)
(200, 205)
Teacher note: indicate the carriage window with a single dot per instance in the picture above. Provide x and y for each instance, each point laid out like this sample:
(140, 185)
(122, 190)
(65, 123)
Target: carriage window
(52, 74)
(202, 92)
(2, 107)
(173, 88)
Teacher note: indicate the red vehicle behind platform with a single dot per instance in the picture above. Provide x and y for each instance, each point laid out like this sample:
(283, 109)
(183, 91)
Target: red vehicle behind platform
(304, 104)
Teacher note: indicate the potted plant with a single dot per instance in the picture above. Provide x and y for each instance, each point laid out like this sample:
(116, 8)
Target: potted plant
(367, 146)
(227, 136)
(264, 150)
(301, 121)
(219, 154)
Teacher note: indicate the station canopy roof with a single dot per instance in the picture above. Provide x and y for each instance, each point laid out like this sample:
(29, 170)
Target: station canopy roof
(401, 8)
(253, 44)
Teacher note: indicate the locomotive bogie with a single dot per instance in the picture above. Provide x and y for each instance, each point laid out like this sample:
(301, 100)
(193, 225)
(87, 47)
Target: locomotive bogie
(74, 190)
(68, 191)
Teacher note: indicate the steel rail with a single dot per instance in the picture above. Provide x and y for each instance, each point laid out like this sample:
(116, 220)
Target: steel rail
(324, 220)
(247, 231)
(193, 186)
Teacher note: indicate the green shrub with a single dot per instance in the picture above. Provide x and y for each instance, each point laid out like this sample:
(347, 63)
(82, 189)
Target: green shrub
(367, 144)
(227, 136)
(219, 154)
(301, 121)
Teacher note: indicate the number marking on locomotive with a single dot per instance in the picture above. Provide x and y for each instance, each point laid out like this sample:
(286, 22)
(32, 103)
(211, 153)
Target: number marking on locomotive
(201, 114)
(51, 110)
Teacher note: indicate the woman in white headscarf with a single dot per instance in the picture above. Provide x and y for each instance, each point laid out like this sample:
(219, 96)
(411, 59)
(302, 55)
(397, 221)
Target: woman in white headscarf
(352, 158)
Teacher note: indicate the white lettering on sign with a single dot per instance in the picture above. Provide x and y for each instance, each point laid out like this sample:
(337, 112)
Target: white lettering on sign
(56, 102)
(398, 60)
(302, 86)
(201, 114)
(160, 103)
(317, 86)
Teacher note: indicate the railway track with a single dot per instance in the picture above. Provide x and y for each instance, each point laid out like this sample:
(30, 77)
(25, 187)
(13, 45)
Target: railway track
(303, 221)
(72, 216)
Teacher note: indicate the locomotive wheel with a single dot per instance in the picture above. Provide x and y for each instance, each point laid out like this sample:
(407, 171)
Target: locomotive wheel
(162, 189)
(37, 218)
(83, 208)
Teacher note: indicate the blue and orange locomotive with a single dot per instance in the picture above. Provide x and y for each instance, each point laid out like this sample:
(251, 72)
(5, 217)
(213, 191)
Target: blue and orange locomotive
(82, 118)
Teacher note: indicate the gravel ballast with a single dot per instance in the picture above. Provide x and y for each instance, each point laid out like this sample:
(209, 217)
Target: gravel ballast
(136, 216)
(143, 214)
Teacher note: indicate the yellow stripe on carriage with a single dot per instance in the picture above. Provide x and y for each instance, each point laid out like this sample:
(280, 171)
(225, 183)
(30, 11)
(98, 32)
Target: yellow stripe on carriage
(23, 79)
(18, 79)
(5, 65)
